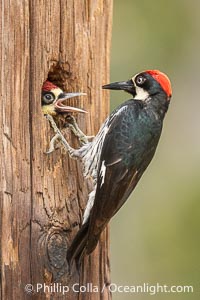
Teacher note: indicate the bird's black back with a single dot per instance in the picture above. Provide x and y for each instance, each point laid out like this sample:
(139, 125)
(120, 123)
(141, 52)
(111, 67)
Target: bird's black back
(133, 133)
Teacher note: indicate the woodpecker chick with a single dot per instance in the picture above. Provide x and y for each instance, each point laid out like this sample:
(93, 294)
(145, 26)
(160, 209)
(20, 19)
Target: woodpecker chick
(120, 153)
(53, 105)
(53, 99)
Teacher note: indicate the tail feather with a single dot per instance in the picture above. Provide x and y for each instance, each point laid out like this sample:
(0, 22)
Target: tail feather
(77, 249)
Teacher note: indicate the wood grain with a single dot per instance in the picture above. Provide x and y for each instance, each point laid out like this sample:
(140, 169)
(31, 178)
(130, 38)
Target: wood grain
(43, 196)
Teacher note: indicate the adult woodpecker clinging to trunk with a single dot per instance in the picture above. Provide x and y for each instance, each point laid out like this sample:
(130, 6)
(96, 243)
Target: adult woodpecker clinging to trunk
(119, 154)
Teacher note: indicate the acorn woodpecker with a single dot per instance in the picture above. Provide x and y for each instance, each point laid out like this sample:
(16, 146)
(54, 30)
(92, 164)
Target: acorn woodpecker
(120, 153)
(53, 98)
(53, 106)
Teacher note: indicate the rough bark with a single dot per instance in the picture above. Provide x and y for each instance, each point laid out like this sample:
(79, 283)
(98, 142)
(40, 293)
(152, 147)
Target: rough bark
(43, 196)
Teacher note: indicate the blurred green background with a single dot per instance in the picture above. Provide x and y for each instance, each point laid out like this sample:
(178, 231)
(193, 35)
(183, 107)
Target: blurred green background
(155, 237)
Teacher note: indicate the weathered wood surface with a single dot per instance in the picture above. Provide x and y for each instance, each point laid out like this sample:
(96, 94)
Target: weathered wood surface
(43, 197)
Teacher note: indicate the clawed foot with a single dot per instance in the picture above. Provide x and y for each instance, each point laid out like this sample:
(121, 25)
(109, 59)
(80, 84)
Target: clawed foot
(52, 143)
(72, 124)
(58, 137)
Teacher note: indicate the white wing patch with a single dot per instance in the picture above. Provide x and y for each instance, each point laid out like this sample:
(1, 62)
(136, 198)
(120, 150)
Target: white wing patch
(103, 172)
(121, 110)
(89, 206)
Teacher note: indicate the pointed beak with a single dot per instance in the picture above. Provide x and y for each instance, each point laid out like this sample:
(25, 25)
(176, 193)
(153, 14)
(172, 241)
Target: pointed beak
(127, 86)
(62, 108)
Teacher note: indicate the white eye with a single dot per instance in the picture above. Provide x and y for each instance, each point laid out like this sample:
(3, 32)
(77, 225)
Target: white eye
(48, 98)
(140, 80)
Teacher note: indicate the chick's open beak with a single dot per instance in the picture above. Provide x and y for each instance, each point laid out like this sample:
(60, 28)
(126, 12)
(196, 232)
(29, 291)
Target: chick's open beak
(60, 107)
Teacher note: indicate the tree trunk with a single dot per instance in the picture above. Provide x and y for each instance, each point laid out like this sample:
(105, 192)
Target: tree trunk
(43, 196)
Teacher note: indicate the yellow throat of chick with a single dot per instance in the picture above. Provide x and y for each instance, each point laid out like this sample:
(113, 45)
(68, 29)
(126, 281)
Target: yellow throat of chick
(49, 109)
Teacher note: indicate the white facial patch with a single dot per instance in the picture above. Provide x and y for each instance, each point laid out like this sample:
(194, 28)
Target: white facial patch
(141, 94)
(57, 92)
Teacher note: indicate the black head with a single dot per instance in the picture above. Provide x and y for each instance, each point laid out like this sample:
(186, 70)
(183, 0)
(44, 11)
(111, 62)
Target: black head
(144, 85)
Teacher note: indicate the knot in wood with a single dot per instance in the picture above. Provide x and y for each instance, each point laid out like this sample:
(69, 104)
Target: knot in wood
(57, 249)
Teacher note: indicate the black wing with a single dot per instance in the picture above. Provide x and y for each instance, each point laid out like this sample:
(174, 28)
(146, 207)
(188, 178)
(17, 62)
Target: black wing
(119, 170)
(127, 150)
